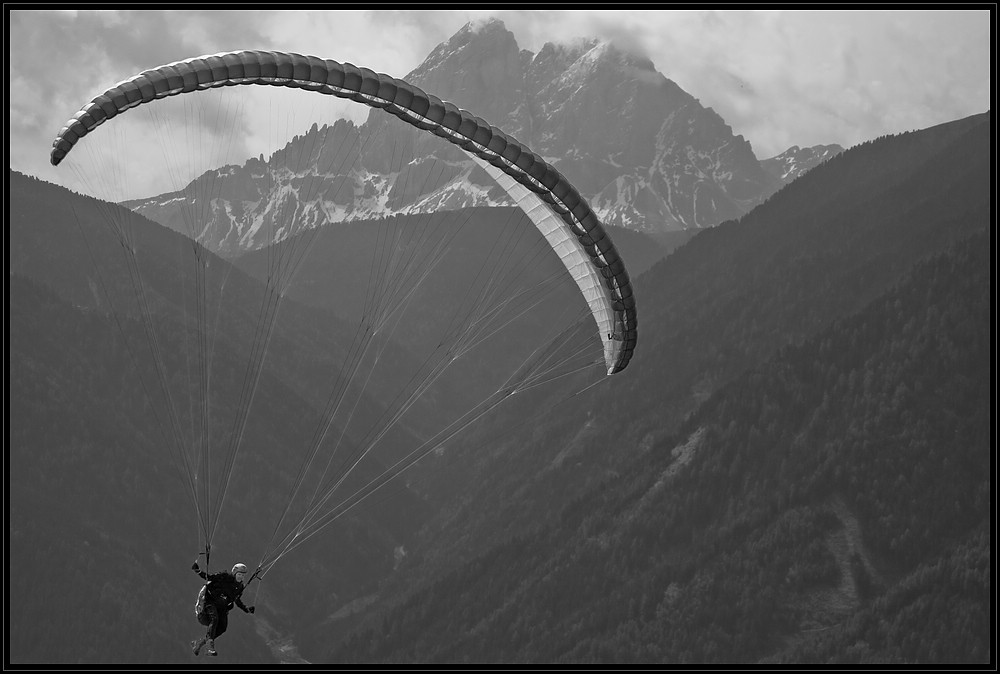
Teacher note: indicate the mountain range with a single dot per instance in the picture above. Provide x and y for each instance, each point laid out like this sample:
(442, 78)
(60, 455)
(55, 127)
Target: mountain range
(646, 154)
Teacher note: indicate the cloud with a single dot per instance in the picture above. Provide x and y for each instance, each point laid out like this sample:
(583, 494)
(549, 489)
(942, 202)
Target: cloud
(823, 77)
(61, 60)
(779, 78)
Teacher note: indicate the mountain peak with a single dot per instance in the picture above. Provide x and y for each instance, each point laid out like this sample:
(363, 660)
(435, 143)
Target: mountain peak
(611, 51)
(482, 25)
(795, 161)
(479, 69)
(465, 50)
(483, 33)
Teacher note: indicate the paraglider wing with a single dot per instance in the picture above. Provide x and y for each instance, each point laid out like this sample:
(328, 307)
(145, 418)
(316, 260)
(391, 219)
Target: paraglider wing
(555, 207)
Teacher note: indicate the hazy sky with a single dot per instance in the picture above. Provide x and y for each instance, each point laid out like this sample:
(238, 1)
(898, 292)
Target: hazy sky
(779, 78)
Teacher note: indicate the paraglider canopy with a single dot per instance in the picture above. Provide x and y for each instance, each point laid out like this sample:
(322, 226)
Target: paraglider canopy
(552, 203)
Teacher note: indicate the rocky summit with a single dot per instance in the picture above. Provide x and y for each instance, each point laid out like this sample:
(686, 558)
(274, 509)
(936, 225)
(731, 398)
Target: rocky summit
(645, 153)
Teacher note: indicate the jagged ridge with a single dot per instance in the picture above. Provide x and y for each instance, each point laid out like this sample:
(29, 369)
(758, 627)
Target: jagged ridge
(646, 154)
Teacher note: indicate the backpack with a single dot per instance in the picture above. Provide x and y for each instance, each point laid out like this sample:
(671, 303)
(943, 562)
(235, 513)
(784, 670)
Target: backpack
(199, 606)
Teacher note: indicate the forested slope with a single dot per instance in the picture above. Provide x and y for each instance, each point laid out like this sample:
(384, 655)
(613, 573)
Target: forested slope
(724, 544)
(804, 433)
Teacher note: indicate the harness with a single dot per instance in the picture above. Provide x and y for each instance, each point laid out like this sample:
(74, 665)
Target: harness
(199, 606)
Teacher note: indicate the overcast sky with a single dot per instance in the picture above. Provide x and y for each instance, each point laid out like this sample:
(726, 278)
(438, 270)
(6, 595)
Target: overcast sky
(779, 78)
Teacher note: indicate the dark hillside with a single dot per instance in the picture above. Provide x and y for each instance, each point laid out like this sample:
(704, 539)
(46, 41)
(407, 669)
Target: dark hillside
(821, 248)
(728, 299)
(63, 240)
(832, 504)
(91, 474)
(337, 272)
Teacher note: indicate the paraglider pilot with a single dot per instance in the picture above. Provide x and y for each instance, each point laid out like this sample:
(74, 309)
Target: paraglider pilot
(216, 599)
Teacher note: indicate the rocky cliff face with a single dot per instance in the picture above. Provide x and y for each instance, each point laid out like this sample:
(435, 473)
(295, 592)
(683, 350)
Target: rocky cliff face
(645, 153)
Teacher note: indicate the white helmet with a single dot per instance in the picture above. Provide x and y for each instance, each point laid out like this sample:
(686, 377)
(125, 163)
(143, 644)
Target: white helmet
(239, 568)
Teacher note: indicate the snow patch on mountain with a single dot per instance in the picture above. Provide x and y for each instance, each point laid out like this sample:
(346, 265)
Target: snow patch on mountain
(796, 161)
